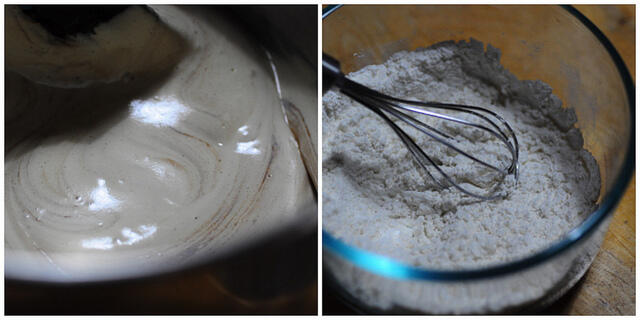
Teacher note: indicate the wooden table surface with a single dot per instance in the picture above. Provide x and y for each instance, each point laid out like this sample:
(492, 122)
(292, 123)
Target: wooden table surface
(608, 287)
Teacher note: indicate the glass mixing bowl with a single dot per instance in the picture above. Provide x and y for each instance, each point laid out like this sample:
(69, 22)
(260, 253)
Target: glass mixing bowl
(555, 44)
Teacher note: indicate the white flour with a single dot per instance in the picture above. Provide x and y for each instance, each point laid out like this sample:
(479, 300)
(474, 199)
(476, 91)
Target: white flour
(377, 198)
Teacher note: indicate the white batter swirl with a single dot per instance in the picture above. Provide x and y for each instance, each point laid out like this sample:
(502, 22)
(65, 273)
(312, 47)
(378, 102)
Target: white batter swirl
(130, 177)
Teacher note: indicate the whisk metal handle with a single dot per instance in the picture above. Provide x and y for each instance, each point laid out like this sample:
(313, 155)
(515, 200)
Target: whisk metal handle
(331, 74)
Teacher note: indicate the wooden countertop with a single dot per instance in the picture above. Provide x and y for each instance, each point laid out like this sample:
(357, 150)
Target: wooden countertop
(608, 287)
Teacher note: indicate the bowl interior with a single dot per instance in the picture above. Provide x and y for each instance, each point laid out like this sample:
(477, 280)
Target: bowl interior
(537, 42)
(78, 242)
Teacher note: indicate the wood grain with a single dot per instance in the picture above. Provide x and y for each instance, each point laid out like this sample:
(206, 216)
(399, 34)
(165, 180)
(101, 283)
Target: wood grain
(608, 287)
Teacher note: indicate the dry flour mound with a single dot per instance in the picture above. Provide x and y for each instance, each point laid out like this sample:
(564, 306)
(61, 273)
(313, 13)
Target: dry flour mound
(377, 198)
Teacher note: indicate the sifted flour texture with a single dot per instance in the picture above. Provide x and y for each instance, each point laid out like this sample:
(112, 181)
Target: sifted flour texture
(376, 197)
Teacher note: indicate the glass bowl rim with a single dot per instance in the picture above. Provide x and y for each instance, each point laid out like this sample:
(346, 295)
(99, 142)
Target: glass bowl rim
(388, 267)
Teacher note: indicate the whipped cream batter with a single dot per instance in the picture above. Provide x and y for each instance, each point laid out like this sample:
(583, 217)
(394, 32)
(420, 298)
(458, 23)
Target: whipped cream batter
(130, 178)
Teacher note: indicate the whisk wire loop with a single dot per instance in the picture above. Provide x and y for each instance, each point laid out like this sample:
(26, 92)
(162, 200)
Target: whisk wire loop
(385, 106)
(382, 105)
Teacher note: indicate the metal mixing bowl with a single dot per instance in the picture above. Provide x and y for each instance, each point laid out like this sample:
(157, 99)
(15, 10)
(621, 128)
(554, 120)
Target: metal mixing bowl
(286, 255)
